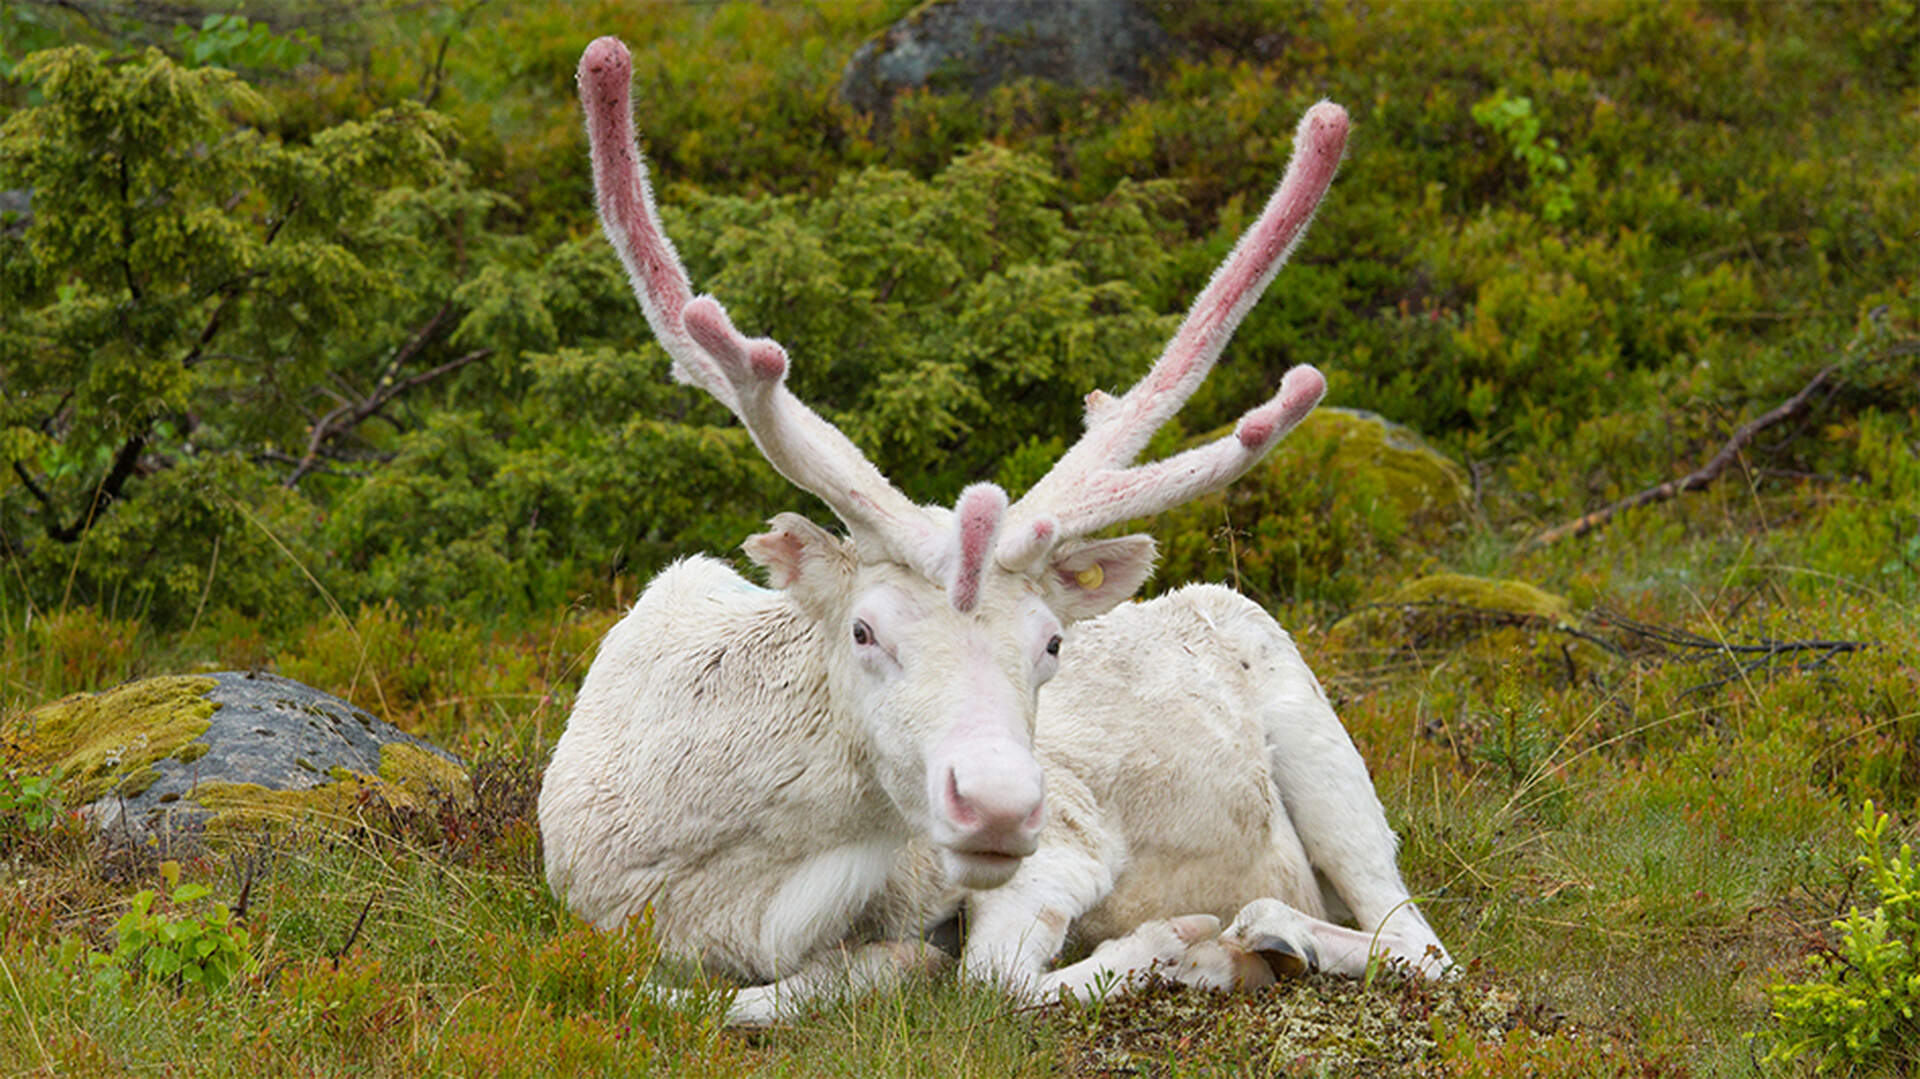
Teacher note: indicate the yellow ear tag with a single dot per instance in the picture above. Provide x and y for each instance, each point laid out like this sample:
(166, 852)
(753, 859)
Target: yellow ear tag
(1091, 577)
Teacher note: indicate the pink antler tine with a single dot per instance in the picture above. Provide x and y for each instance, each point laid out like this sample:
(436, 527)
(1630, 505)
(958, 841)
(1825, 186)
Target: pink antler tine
(978, 515)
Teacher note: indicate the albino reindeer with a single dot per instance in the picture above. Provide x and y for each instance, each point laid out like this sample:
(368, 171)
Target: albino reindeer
(952, 707)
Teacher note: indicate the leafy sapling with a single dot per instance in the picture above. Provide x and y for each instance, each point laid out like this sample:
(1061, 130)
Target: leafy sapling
(173, 945)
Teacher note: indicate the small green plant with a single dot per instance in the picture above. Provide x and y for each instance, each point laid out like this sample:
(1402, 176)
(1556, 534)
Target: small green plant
(1513, 119)
(1857, 1012)
(205, 950)
(1515, 742)
(28, 803)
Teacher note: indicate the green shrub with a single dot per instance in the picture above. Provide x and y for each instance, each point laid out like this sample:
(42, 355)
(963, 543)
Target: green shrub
(204, 950)
(1858, 1011)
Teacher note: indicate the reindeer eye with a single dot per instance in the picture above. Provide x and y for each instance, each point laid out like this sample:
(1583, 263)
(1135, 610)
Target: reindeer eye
(862, 634)
(1053, 646)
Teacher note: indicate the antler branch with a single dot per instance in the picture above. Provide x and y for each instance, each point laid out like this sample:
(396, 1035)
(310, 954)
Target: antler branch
(748, 375)
(1092, 486)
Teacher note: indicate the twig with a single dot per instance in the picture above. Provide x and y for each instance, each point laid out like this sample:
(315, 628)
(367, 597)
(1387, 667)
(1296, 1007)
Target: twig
(33, 488)
(246, 892)
(1694, 480)
(124, 463)
(355, 933)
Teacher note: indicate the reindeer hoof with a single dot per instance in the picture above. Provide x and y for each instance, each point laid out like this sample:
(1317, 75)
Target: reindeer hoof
(1284, 962)
(1281, 936)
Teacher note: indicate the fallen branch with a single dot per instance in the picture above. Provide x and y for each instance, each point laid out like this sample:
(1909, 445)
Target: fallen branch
(1738, 662)
(1694, 642)
(1695, 480)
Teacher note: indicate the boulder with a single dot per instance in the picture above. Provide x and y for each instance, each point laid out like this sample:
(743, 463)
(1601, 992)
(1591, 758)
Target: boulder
(16, 210)
(181, 755)
(975, 45)
(1421, 481)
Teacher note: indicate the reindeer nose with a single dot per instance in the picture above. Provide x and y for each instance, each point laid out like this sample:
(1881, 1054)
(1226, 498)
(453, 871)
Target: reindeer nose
(995, 798)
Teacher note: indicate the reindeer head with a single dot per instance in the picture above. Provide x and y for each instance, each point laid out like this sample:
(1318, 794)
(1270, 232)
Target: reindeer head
(941, 625)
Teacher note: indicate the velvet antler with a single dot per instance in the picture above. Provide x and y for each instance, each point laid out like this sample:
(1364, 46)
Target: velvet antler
(1092, 486)
(748, 375)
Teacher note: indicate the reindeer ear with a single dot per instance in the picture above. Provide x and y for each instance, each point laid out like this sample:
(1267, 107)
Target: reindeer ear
(800, 557)
(1090, 577)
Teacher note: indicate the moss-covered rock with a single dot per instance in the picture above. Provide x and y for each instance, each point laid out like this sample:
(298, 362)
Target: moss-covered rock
(1393, 459)
(227, 751)
(104, 743)
(1445, 606)
(1492, 594)
(1346, 491)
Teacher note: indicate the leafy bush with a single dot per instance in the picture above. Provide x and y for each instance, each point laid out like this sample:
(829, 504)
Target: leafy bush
(1861, 1009)
(234, 41)
(203, 950)
(173, 315)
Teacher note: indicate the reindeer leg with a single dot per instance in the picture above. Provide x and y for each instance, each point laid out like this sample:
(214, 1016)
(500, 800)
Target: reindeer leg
(1293, 942)
(1015, 932)
(835, 973)
(1330, 800)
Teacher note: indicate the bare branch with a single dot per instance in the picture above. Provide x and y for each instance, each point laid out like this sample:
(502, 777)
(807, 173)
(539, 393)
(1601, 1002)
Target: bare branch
(108, 490)
(1692, 481)
(228, 292)
(33, 488)
(346, 417)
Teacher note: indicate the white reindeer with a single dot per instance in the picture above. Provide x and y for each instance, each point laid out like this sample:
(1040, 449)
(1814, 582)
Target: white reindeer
(798, 782)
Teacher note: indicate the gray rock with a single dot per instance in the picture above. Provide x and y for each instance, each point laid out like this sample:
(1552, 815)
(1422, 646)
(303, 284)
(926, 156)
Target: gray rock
(975, 45)
(270, 735)
(16, 210)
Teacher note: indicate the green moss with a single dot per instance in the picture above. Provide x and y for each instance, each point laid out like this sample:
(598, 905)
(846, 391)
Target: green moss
(1501, 595)
(250, 807)
(136, 782)
(419, 772)
(100, 739)
(408, 777)
(1450, 606)
(191, 752)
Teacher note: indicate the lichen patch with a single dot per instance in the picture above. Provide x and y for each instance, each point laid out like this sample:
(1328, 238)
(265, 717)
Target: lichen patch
(1317, 1025)
(1448, 607)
